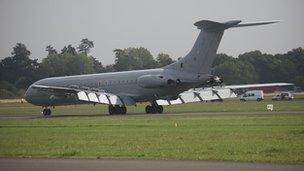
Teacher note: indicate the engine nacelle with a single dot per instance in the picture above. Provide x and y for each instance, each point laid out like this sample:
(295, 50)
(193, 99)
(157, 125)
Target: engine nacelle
(156, 81)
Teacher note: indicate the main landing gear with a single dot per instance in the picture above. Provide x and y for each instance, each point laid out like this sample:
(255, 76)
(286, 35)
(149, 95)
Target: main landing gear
(117, 110)
(46, 112)
(154, 108)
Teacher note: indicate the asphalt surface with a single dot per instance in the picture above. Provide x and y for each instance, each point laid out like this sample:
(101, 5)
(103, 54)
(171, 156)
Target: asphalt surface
(34, 116)
(137, 165)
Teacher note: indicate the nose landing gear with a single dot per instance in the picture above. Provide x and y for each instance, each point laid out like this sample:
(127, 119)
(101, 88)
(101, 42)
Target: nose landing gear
(46, 112)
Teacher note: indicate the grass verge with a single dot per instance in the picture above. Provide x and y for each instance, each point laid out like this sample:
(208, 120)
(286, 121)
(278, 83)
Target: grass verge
(263, 138)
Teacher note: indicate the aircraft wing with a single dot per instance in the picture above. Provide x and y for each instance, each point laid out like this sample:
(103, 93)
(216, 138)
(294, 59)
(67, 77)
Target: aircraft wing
(242, 86)
(93, 96)
(214, 93)
(200, 95)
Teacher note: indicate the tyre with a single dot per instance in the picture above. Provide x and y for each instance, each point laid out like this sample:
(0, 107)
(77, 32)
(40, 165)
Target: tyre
(49, 112)
(160, 109)
(148, 109)
(111, 110)
(123, 110)
(46, 112)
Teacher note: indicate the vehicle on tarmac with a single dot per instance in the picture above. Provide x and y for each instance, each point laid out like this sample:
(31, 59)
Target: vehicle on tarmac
(253, 95)
(283, 96)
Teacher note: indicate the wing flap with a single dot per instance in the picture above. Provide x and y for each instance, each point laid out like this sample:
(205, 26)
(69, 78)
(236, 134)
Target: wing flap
(115, 100)
(200, 96)
(82, 96)
(103, 99)
(90, 95)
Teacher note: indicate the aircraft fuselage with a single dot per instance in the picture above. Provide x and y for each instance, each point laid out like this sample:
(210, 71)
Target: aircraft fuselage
(119, 83)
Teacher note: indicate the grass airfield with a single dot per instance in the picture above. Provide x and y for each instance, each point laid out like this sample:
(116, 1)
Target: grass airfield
(85, 131)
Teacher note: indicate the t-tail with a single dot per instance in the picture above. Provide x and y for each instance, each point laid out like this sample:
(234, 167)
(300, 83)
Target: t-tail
(201, 56)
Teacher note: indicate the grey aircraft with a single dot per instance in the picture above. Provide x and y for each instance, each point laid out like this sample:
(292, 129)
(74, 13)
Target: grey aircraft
(120, 89)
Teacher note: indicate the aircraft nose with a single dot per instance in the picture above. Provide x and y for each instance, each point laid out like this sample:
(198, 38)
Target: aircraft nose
(27, 95)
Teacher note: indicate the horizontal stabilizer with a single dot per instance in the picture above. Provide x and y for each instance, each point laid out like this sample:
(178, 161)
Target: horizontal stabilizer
(255, 23)
(213, 26)
(208, 25)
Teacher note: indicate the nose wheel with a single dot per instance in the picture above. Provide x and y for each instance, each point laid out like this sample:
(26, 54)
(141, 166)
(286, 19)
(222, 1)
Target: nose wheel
(154, 109)
(47, 112)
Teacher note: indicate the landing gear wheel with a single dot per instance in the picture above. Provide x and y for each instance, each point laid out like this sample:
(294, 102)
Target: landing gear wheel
(159, 109)
(148, 109)
(47, 112)
(115, 110)
(154, 109)
(111, 110)
(123, 110)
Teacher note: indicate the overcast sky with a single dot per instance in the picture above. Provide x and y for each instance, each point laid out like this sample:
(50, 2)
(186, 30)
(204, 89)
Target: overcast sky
(158, 25)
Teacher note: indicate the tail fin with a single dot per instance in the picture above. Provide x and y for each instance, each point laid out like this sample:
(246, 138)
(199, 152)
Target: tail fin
(201, 56)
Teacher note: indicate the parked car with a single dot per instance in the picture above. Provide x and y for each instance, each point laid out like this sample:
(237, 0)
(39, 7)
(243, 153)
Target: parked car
(252, 95)
(283, 96)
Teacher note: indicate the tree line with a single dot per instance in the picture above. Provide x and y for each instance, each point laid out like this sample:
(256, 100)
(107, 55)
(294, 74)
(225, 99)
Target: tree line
(18, 71)
(258, 67)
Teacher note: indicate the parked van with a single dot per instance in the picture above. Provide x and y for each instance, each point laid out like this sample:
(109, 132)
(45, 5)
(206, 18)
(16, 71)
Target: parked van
(252, 95)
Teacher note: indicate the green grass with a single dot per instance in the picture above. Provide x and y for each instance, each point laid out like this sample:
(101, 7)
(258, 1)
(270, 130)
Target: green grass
(263, 138)
(234, 105)
(266, 138)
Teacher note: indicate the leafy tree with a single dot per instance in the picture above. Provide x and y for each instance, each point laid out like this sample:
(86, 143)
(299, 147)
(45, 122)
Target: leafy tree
(85, 46)
(8, 86)
(110, 68)
(20, 51)
(50, 50)
(270, 68)
(123, 61)
(296, 56)
(97, 65)
(19, 69)
(69, 49)
(163, 59)
(286, 67)
(221, 58)
(5, 94)
(133, 58)
(67, 64)
(8, 90)
(234, 71)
